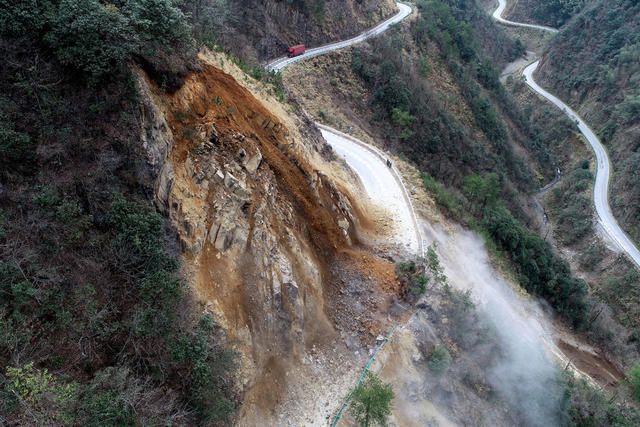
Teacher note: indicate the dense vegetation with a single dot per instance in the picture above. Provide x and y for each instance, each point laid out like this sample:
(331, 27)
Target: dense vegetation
(598, 73)
(594, 407)
(96, 326)
(612, 278)
(553, 13)
(572, 200)
(539, 269)
(412, 277)
(417, 115)
(556, 12)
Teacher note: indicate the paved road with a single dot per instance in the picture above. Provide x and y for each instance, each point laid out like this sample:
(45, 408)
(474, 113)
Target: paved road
(383, 184)
(404, 11)
(601, 187)
(497, 15)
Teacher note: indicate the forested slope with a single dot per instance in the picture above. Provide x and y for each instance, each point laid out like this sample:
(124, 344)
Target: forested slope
(553, 13)
(405, 99)
(96, 324)
(594, 65)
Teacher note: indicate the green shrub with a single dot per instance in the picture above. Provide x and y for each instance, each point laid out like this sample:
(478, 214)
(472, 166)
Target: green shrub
(45, 398)
(110, 398)
(633, 382)
(439, 360)
(160, 293)
(433, 262)
(139, 236)
(91, 37)
(208, 364)
(21, 18)
(159, 21)
(106, 408)
(411, 275)
(404, 121)
(443, 196)
(16, 148)
(419, 284)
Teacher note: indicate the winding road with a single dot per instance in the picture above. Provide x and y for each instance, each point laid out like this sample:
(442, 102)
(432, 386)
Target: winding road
(383, 184)
(601, 187)
(497, 15)
(404, 11)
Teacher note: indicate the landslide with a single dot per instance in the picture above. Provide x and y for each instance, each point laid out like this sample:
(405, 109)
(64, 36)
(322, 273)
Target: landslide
(269, 243)
(260, 30)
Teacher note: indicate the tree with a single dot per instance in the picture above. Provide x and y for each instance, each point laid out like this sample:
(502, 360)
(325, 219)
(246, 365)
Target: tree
(16, 148)
(404, 120)
(46, 399)
(90, 37)
(482, 191)
(19, 18)
(633, 382)
(371, 401)
(439, 360)
(433, 262)
(159, 21)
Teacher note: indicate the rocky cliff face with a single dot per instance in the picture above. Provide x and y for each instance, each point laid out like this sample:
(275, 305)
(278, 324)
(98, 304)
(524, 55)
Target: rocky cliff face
(264, 235)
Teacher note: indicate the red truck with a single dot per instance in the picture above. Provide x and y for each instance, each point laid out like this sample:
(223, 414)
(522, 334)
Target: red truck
(296, 50)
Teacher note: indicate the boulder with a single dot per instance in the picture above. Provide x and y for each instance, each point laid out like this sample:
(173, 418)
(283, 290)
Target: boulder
(236, 187)
(252, 163)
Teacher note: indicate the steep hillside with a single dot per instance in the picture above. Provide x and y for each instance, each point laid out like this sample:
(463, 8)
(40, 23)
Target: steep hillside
(118, 311)
(259, 30)
(408, 90)
(97, 324)
(441, 106)
(574, 231)
(431, 97)
(552, 13)
(595, 69)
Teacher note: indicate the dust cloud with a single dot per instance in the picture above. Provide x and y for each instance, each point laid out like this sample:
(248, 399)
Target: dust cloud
(523, 374)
